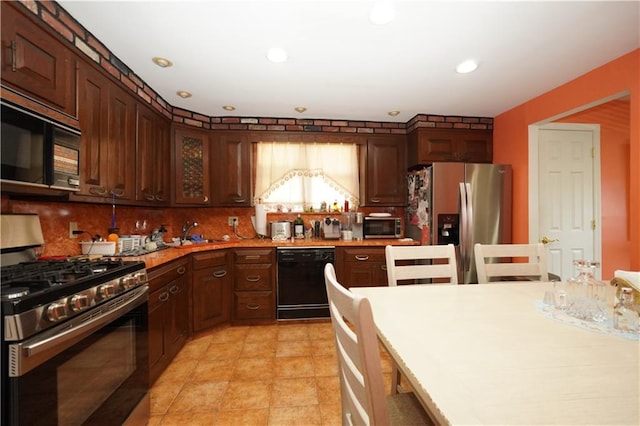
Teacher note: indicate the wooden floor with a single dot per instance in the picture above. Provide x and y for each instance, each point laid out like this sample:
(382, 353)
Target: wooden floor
(284, 374)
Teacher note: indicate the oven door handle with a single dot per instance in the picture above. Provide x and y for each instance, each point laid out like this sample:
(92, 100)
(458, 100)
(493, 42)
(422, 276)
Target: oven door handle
(27, 355)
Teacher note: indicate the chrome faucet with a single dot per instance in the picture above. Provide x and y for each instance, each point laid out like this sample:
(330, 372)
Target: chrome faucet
(186, 228)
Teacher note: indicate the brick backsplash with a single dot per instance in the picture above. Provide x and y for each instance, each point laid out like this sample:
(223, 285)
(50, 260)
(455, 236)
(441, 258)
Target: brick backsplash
(56, 18)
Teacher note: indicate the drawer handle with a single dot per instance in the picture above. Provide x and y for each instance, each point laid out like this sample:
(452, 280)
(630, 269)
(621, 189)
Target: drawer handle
(159, 197)
(253, 306)
(362, 257)
(206, 199)
(98, 190)
(383, 267)
(181, 270)
(164, 296)
(174, 289)
(252, 257)
(253, 278)
(375, 200)
(239, 200)
(219, 274)
(149, 197)
(118, 192)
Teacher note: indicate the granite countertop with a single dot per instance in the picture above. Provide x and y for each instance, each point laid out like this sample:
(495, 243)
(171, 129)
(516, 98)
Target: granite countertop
(163, 256)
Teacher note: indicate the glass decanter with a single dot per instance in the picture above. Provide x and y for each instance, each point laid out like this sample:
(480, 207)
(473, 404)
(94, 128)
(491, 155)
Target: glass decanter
(586, 296)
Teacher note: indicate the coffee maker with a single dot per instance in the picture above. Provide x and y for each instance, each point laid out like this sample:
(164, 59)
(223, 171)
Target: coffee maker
(331, 228)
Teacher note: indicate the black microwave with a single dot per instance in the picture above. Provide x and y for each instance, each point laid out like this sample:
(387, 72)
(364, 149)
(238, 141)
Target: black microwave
(382, 227)
(38, 153)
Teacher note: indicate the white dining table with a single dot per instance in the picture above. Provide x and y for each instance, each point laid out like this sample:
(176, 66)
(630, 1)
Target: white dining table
(486, 354)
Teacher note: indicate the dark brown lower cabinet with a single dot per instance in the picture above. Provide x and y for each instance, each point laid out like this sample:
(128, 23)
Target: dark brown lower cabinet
(254, 282)
(361, 266)
(168, 314)
(212, 281)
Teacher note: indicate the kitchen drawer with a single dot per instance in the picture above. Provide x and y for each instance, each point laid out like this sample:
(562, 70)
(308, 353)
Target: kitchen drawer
(254, 305)
(364, 254)
(209, 259)
(258, 255)
(253, 277)
(164, 274)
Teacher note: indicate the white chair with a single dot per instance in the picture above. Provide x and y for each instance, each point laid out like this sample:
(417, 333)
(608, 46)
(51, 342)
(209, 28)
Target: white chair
(361, 382)
(421, 263)
(504, 262)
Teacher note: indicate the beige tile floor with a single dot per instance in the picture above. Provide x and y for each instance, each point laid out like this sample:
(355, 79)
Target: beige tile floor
(281, 374)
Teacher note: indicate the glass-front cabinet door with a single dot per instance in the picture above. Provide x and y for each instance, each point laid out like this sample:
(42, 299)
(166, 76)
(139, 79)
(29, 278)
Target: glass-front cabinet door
(192, 178)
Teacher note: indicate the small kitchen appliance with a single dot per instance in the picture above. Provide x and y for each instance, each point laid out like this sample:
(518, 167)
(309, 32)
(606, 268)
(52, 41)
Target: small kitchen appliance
(331, 228)
(281, 229)
(382, 226)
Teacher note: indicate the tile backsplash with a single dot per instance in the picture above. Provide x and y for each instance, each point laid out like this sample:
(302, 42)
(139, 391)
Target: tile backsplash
(96, 219)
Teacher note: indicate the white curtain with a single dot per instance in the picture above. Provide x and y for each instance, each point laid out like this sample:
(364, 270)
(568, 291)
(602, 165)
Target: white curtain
(298, 166)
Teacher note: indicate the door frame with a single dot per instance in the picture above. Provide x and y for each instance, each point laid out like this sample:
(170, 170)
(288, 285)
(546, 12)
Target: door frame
(534, 175)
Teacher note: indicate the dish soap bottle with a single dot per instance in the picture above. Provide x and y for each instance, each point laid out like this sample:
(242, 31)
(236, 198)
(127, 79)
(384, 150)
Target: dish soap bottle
(298, 227)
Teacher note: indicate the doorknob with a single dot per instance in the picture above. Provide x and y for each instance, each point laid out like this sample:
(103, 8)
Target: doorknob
(547, 240)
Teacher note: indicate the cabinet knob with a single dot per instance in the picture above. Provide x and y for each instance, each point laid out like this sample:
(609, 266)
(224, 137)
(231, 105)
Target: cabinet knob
(117, 192)
(164, 296)
(174, 289)
(206, 199)
(181, 270)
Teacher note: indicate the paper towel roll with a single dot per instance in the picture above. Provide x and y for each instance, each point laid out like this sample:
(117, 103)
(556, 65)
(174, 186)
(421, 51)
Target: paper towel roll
(261, 219)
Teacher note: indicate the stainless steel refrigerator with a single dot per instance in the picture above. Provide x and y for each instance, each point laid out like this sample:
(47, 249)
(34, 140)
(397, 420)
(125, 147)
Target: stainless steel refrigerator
(462, 204)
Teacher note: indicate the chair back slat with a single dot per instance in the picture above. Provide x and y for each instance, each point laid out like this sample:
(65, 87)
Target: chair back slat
(421, 262)
(515, 261)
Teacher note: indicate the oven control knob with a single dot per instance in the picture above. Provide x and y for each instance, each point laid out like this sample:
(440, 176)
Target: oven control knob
(56, 311)
(106, 290)
(141, 277)
(78, 302)
(127, 282)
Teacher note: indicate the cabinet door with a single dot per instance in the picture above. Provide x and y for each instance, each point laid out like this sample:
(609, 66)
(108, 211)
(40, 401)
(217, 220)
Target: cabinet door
(211, 296)
(179, 315)
(158, 312)
(233, 178)
(385, 173)
(192, 172)
(35, 62)
(92, 114)
(476, 146)
(120, 159)
(152, 154)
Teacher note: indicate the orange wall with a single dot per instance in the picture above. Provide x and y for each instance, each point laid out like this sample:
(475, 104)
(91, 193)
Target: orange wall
(510, 140)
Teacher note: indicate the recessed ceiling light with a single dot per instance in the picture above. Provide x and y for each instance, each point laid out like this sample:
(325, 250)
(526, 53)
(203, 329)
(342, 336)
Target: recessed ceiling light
(393, 113)
(277, 54)
(467, 66)
(229, 108)
(383, 12)
(300, 109)
(183, 94)
(161, 62)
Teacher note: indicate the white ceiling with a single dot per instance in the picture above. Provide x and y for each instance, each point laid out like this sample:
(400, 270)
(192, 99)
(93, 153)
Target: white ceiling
(343, 67)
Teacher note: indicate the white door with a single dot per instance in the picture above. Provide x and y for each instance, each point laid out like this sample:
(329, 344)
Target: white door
(567, 211)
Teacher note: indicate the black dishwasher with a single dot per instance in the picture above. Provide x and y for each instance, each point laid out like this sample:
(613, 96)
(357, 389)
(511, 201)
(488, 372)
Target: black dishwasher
(301, 292)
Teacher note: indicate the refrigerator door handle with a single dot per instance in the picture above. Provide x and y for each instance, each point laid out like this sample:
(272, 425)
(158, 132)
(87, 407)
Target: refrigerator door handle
(463, 226)
(469, 236)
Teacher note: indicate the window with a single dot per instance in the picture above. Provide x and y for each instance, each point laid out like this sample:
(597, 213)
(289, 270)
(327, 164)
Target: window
(300, 175)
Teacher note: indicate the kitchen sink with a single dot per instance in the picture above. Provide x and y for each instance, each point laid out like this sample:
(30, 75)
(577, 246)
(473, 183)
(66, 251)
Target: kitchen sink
(202, 243)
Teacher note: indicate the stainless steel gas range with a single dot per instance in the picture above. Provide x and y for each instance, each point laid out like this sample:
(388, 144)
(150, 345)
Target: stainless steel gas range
(74, 334)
